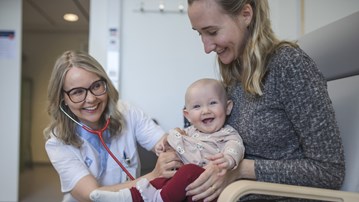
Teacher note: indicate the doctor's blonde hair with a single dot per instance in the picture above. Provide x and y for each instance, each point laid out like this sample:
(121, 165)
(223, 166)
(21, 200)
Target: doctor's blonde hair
(63, 127)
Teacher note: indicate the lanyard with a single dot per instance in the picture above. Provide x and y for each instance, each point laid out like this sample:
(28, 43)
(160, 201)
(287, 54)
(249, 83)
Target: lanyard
(99, 134)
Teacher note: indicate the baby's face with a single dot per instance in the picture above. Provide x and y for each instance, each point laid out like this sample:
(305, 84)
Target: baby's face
(205, 109)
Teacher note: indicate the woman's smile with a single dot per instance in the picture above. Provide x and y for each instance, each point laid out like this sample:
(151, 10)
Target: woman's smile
(91, 109)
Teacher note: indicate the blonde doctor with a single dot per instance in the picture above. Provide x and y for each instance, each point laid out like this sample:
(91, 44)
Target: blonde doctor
(84, 107)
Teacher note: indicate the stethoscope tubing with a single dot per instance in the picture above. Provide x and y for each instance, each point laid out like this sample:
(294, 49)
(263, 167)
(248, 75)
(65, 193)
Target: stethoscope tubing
(99, 133)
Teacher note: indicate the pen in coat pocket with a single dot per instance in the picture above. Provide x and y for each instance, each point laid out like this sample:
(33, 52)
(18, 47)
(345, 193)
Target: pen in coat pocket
(125, 157)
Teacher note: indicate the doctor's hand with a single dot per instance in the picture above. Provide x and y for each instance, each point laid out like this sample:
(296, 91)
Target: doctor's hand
(167, 164)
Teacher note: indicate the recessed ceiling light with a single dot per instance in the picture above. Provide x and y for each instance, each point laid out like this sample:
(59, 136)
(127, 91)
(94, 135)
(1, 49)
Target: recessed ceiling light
(71, 17)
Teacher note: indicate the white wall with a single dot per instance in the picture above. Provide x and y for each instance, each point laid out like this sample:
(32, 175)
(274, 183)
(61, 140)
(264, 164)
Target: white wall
(285, 18)
(98, 30)
(161, 56)
(10, 71)
(319, 13)
(286, 15)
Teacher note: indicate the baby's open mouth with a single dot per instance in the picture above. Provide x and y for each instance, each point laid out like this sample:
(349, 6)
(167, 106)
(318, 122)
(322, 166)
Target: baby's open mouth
(207, 120)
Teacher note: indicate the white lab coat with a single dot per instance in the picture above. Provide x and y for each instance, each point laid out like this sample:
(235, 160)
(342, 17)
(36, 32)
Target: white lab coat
(73, 163)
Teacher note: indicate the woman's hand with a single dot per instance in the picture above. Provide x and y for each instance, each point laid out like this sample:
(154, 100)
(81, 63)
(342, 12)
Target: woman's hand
(209, 184)
(167, 164)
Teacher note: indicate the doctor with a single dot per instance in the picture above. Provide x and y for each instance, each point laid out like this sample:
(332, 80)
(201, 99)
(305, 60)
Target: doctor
(81, 94)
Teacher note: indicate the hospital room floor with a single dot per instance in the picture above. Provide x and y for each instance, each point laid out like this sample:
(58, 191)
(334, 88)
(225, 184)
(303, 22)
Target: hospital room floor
(39, 184)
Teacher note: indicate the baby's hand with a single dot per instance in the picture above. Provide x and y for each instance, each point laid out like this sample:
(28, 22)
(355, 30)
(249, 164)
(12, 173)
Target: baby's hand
(222, 161)
(222, 171)
(161, 145)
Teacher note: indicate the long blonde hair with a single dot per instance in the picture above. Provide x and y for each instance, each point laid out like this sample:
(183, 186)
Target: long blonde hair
(61, 126)
(250, 69)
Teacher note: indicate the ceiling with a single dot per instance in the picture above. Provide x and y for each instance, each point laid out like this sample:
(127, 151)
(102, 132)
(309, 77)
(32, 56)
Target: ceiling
(47, 15)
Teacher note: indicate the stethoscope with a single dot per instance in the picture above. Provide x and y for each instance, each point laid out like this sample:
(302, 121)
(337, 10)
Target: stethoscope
(99, 134)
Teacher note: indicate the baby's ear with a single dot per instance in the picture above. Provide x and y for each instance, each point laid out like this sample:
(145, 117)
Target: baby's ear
(229, 107)
(186, 114)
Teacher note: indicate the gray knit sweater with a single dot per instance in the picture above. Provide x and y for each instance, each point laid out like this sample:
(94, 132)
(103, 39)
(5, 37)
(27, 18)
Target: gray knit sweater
(290, 131)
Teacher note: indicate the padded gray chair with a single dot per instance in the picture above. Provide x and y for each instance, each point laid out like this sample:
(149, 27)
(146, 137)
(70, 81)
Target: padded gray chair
(335, 49)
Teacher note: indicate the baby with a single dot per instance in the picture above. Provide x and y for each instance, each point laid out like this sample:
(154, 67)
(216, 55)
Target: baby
(206, 141)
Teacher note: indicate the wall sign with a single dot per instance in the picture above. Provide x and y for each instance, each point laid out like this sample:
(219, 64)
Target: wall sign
(7, 44)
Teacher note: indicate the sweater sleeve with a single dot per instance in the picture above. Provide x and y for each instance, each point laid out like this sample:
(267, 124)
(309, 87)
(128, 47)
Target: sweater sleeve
(303, 93)
(234, 145)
